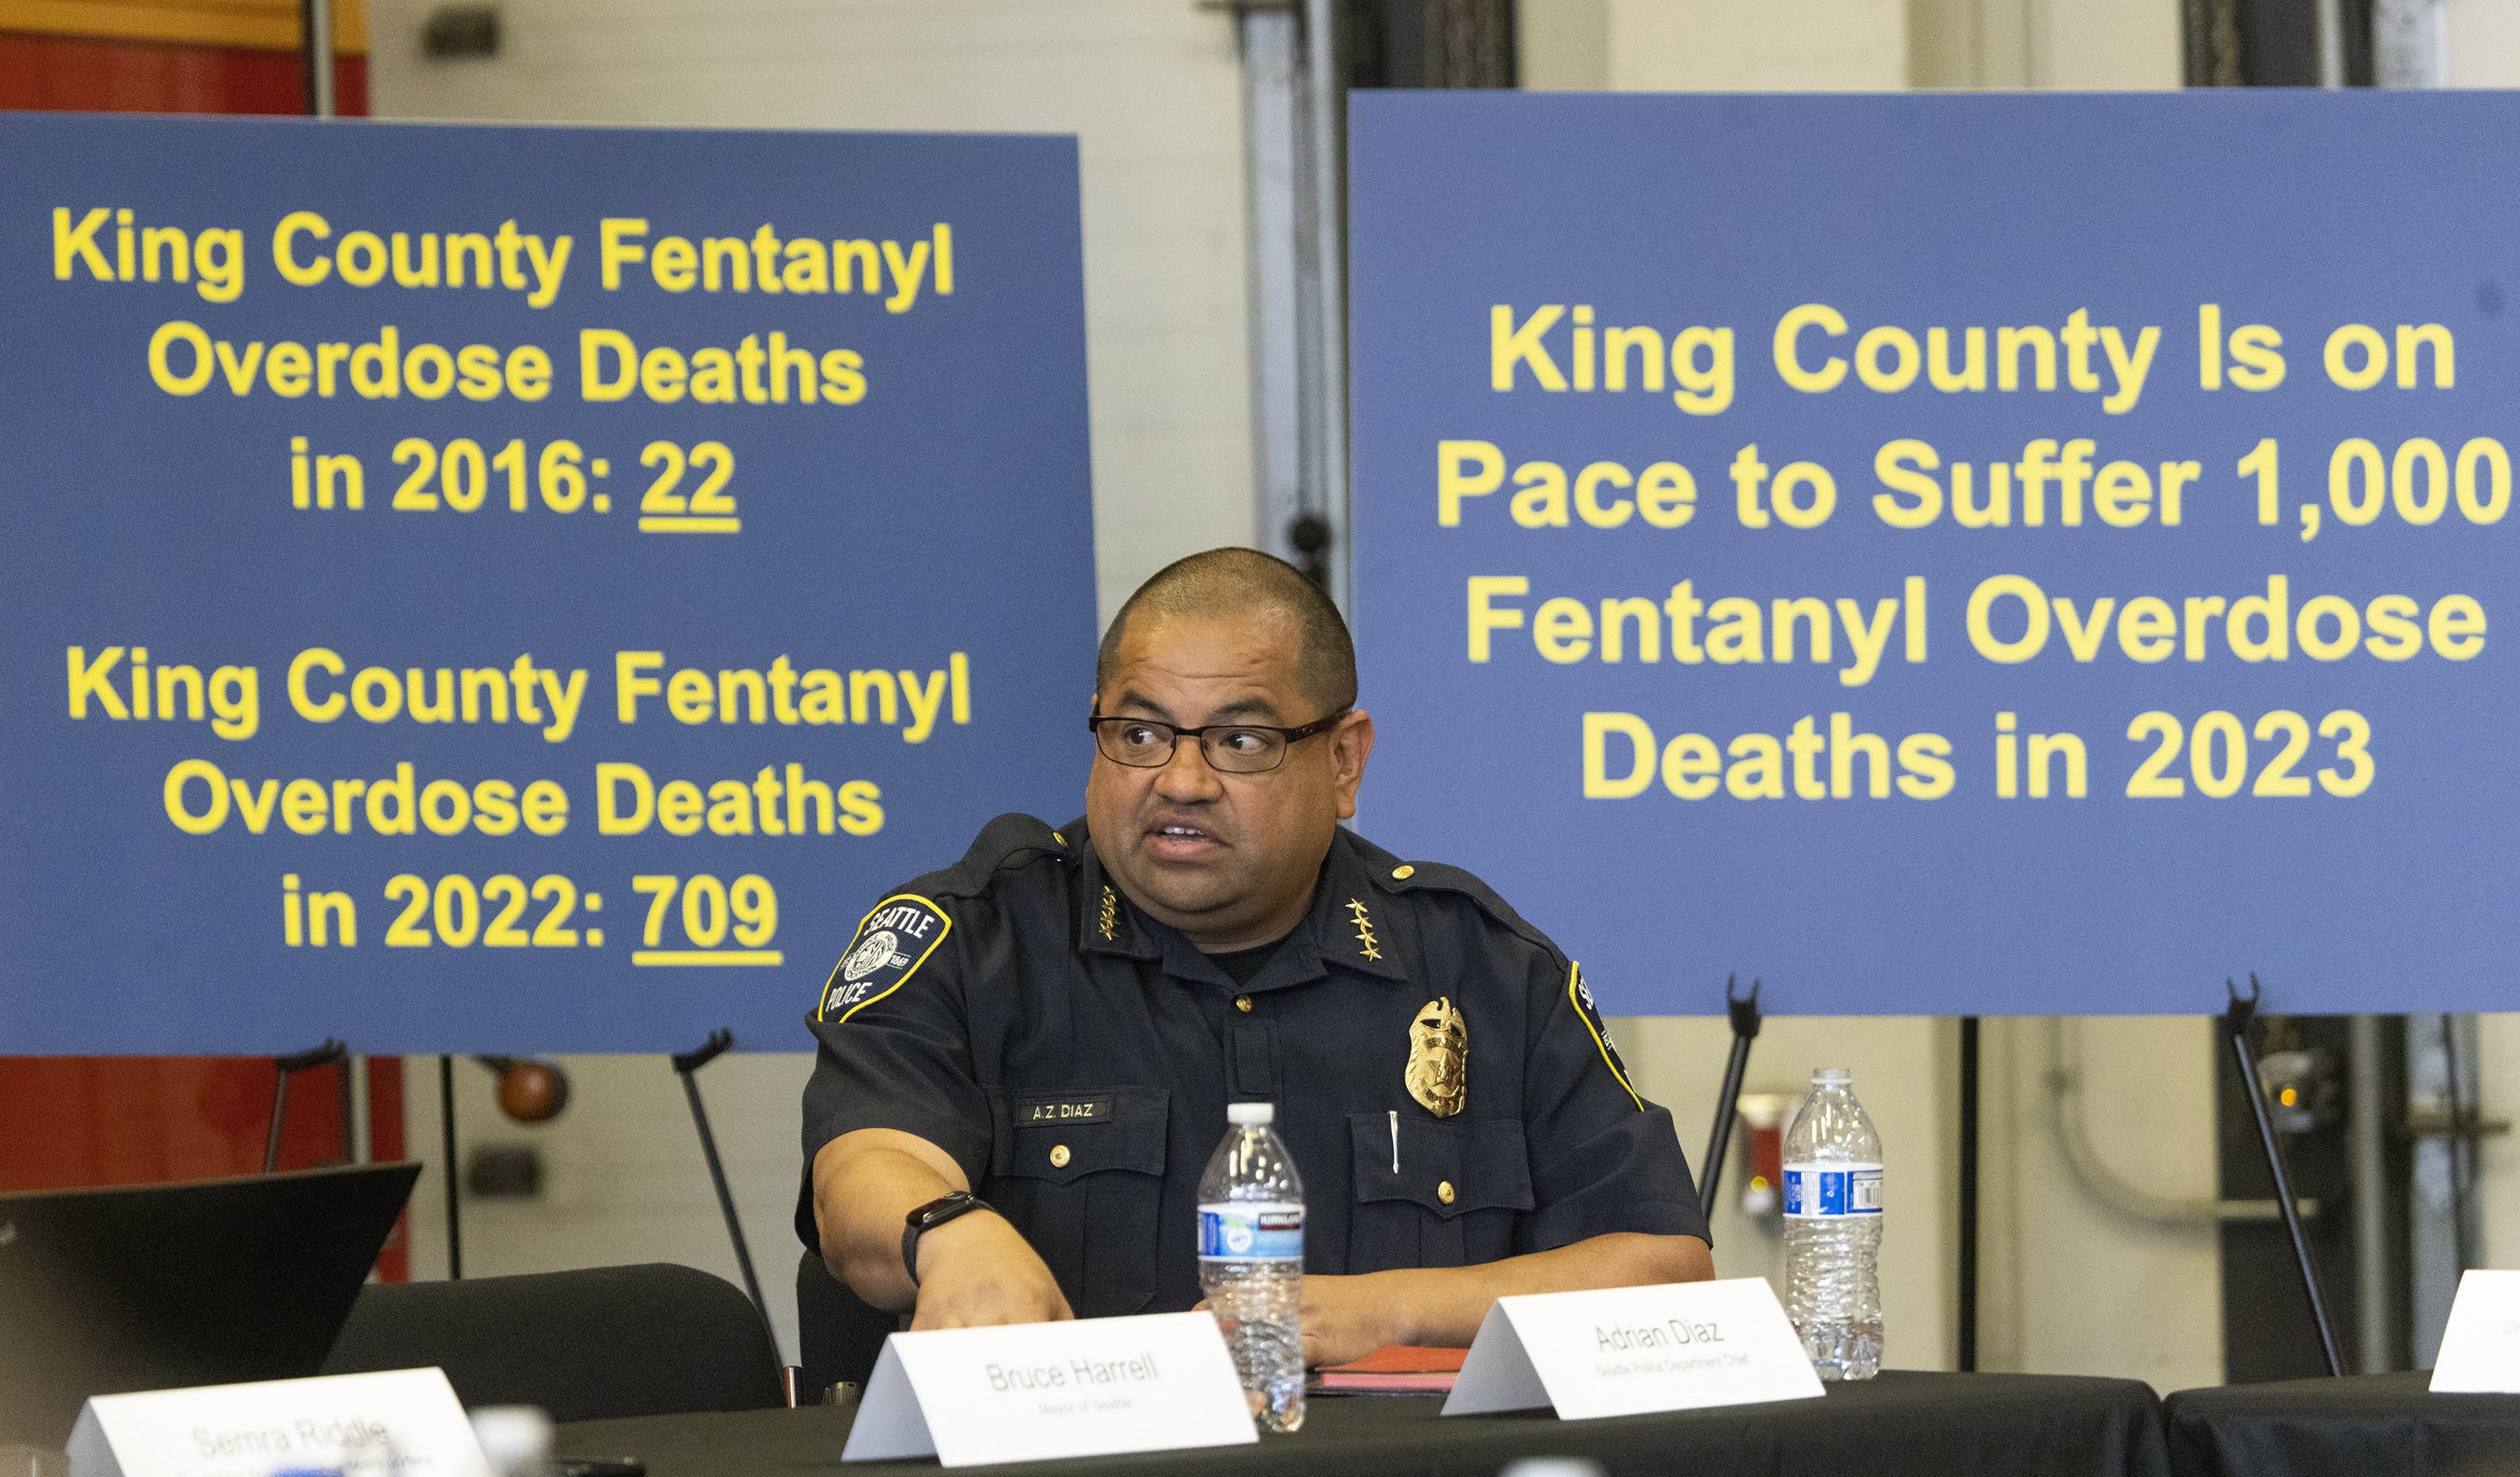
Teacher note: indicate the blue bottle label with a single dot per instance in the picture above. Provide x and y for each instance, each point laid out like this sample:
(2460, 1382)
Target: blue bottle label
(1813, 1190)
(1251, 1231)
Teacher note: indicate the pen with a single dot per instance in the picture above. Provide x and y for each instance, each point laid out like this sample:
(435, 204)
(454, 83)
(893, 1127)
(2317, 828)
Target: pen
(1395, 1141)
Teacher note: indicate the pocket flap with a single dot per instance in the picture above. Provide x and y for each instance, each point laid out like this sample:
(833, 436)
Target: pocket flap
(1064, 1135)
(1448, 1168)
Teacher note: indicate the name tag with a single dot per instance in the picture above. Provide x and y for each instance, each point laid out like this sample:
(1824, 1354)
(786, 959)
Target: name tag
(1064, 1110)
(1627, 1351)
(404, 1420)
(1031, 1392)
(2480, 1347)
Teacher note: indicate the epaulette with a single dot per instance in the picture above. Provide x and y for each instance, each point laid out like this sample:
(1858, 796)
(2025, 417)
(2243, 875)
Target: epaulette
(1394, 875)
(1004, 844)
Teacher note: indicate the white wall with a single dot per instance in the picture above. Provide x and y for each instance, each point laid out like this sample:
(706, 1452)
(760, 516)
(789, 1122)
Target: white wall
(2484, 42)
(2101, 45)
(1854, 45)
(2075, 1283)
(1776, 45)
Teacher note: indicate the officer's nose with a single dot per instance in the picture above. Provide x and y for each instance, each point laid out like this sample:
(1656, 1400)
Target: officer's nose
(1188, 776)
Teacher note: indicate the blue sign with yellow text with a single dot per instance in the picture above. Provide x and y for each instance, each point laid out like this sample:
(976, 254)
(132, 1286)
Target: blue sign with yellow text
(516, 590)
(1951, 555)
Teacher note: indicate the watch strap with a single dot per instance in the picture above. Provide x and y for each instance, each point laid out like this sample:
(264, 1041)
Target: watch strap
(927, 1218)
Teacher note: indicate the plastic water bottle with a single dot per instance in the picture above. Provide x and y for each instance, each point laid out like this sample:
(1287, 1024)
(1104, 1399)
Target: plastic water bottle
(1834, 1230)
(1251, 1262)
(517, 1440)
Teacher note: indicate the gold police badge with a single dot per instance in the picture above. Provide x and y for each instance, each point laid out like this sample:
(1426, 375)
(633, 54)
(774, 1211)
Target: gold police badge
(1439, 1058)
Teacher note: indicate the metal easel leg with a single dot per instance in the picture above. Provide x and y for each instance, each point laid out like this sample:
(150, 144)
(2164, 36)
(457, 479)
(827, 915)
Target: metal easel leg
(453, 1175)
(290, 1066)
(1968, 1170)
(686, 1064)
(1744, 1010)
(2237, 1020)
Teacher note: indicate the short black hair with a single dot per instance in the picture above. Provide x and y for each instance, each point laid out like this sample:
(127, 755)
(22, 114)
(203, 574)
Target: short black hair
(1229, 582)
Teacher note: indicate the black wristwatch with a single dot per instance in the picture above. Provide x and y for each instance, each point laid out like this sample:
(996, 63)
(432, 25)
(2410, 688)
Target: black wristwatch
(927, 1218)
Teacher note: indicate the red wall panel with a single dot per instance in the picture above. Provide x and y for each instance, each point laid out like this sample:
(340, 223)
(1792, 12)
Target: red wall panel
(72, 73)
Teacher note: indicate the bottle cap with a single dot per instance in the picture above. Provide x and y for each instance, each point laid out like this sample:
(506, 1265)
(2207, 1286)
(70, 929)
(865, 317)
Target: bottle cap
(514, 1438)
(1831, 1076)
(1251, 1114)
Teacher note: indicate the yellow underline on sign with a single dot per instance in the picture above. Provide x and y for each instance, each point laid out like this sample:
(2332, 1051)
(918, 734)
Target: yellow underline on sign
(690, 525)
(672, 956)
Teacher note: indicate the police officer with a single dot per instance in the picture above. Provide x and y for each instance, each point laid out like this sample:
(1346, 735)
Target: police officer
(1025, 1058)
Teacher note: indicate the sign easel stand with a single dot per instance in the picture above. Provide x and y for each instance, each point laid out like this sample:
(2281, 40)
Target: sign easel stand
(1744, 1010)
(2237, 1020)
(687, 1065)
(454, 1180)
(329, 1052)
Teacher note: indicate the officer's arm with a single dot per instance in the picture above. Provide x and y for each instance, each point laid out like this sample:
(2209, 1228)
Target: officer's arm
(1347, 1317)
(973, 1270)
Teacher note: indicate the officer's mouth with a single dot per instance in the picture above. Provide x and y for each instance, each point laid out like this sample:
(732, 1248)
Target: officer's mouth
(1180, 842)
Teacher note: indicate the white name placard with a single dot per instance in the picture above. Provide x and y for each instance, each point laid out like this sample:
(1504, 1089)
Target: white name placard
(2480, 1347)
(1029, 1392)
(1626, 1351)
(401, 1420)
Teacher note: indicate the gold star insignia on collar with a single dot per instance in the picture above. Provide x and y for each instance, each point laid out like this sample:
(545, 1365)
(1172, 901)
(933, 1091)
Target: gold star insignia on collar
(1364, 929)
(1110, 913)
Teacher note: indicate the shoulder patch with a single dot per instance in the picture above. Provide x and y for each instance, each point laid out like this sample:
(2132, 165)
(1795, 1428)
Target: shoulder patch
(892, 941)
(1580, 995)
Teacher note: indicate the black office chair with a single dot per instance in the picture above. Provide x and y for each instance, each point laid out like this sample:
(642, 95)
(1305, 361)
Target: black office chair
(647, 1340)
(838, 1334)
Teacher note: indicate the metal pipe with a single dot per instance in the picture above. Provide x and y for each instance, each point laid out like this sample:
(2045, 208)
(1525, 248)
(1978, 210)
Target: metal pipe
(2366, 1135)
(1327, 100)
(1279, 172)
(315, 31)
(2329, 18)
(2459, 1144)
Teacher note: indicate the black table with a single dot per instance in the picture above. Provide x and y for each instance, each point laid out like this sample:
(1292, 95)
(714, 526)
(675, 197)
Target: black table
(1930, 1426)
(2361, 1424)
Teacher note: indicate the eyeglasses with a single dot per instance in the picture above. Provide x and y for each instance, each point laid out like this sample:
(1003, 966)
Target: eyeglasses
(1234, 749)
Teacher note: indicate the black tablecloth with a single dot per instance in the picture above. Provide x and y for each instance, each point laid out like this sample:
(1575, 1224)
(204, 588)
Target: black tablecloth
(2359, 1424)
(1930, 1425)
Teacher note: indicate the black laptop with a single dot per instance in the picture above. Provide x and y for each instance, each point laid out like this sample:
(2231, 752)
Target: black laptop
(160, 1286)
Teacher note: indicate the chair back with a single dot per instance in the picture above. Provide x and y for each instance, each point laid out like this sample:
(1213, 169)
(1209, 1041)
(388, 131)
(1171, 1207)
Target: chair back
(838, 1334)
(647, 1340)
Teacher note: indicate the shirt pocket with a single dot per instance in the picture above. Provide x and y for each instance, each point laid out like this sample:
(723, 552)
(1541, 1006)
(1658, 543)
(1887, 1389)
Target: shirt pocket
(1079, 1171)
(1452, 1201)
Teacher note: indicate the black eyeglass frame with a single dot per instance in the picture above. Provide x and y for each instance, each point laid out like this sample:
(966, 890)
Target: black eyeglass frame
(1292, 737)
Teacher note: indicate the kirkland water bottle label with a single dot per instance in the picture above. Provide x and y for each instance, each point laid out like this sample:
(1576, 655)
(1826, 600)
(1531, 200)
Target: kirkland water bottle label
(1251, 1232)
(1832, 1189)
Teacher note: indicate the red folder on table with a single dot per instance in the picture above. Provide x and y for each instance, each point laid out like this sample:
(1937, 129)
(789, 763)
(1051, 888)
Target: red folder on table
(1400, 1368)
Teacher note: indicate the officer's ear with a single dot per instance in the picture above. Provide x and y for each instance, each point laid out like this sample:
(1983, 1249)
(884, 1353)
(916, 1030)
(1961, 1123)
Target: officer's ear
(1351, 743)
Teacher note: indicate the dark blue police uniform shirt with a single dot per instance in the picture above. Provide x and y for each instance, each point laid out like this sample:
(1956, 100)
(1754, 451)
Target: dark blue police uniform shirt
(1075, 1058)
